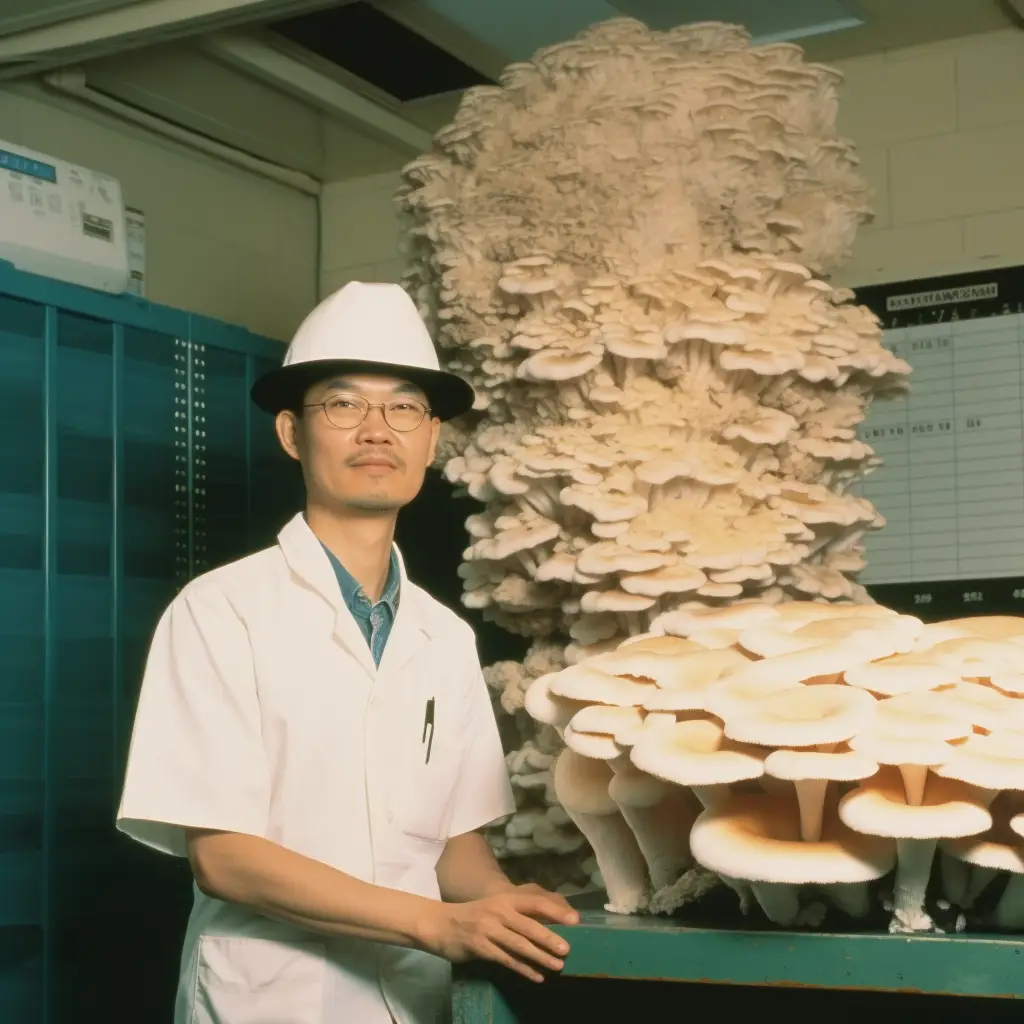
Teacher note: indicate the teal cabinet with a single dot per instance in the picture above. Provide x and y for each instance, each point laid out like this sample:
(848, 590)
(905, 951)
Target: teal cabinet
(130, 460)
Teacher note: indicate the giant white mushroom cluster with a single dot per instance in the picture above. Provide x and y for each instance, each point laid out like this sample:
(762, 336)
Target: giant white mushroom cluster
(624, 246)
(795, 748)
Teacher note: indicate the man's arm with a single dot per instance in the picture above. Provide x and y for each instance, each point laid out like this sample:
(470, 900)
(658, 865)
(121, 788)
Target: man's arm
(503, 926)
(468, 871)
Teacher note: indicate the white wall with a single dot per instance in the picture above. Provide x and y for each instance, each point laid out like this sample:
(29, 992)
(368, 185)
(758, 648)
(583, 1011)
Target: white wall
(940, 132)
(220, 241)
(360, 231)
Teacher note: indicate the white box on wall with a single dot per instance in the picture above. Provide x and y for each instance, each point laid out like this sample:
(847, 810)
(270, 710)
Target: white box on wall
(62, 221)
(135, 221)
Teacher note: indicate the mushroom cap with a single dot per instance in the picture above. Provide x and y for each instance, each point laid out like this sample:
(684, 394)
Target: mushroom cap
(801, 765)
(631, 662)
(688, 620)
(544, 706)
(995, 761)
(592, 745)
(696, 753)
(977, 656)
(716, 638)
(995, 627)
(585, 683)
(607, 720)
(1009, 683)
(631, 787)
(581, 784)
(878, 807)
(614, 601)
(773, 638)
(823, 660)
(887, 749)
(802, 716)
(901, 673)
(1001, 848)
(799, 613)
(694, 697)
(669, 671)
(986, 707)
(669, 579)
(668, 645)
(926, 715)
(735, 693)
(936, 632)
(757, 839)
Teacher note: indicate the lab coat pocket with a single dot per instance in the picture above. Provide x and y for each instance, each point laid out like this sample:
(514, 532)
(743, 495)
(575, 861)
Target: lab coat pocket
(259, 981)
(425, 796)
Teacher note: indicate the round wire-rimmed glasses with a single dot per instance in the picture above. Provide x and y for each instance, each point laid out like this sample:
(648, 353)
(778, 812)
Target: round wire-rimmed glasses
(348, 411)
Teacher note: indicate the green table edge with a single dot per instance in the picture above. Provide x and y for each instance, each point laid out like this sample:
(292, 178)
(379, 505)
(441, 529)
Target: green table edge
(607, 945)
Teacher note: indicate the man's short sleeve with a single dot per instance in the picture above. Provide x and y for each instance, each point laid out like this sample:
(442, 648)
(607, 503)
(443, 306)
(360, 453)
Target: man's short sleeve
(483, 792)
(196, 758)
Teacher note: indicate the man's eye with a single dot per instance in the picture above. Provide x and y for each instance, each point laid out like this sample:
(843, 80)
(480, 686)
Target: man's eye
(342, 403)
(402, 406)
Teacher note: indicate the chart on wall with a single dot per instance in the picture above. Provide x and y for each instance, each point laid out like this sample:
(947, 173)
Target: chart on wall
(951, 486)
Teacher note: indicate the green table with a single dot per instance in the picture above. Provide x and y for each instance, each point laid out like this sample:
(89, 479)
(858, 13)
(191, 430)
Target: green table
(646, 951)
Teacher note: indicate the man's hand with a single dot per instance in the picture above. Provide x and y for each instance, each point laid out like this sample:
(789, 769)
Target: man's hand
(504, 928)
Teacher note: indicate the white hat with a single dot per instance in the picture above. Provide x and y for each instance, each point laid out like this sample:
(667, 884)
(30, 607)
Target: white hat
(363, 328)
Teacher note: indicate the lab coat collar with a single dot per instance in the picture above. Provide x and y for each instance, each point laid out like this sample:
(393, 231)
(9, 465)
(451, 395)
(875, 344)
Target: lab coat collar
(307, 559)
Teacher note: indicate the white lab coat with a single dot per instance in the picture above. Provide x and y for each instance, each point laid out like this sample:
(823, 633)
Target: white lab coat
(262, 712)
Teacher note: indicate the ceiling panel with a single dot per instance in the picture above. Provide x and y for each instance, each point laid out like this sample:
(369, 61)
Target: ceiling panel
(792, 19)
(19, 15)
(380, 50)
(520, 28)
(185, 86)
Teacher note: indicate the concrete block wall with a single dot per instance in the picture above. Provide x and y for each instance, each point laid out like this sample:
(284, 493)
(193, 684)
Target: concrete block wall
(360, 232)
(940, 131)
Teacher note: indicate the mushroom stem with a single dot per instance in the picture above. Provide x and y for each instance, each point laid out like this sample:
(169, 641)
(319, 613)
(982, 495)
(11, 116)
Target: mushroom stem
(689, 887)
(581, 786)
(979, 881)
(742, 890)
(773, 786)
(711, 796)
(853, 898)
(956, 875)
(915, 776)
(913, 869)
(1009, 912)
(810, 795)
(660, 817)
(619, 858)
(778, 901)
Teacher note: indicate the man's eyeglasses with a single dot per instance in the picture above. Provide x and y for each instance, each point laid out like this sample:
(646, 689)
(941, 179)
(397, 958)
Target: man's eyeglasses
(348, 411)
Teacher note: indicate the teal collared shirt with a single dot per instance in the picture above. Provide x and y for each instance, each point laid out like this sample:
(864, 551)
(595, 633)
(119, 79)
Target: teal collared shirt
(374, 620)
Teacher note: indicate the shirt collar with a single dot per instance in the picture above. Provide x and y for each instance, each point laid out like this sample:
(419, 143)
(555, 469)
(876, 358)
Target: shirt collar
(352, 592)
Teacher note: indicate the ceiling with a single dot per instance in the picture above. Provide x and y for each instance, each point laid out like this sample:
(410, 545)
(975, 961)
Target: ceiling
(382, 75)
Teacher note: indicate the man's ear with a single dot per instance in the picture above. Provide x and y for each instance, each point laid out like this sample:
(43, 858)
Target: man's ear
(287, 426)
(435, 433)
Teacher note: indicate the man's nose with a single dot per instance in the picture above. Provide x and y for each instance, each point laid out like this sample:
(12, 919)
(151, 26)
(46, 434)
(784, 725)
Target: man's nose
(374, 427)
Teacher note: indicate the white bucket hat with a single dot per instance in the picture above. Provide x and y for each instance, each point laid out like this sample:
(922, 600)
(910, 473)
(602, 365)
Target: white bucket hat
(363, 328)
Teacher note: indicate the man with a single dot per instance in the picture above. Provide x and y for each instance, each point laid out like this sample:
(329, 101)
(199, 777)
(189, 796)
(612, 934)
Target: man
(313, 730)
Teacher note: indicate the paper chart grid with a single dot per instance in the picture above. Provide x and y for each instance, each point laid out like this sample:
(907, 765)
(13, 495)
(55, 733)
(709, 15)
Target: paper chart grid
(952, 484)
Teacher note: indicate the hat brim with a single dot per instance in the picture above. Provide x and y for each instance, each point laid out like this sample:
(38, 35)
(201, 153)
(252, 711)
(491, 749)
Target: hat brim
(284, 387)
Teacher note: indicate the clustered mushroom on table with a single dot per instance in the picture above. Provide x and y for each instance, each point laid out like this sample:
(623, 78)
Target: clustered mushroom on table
(804, 754)
(626, 246)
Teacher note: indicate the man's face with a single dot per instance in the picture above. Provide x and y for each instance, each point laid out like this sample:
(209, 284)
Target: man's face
(369, 467)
